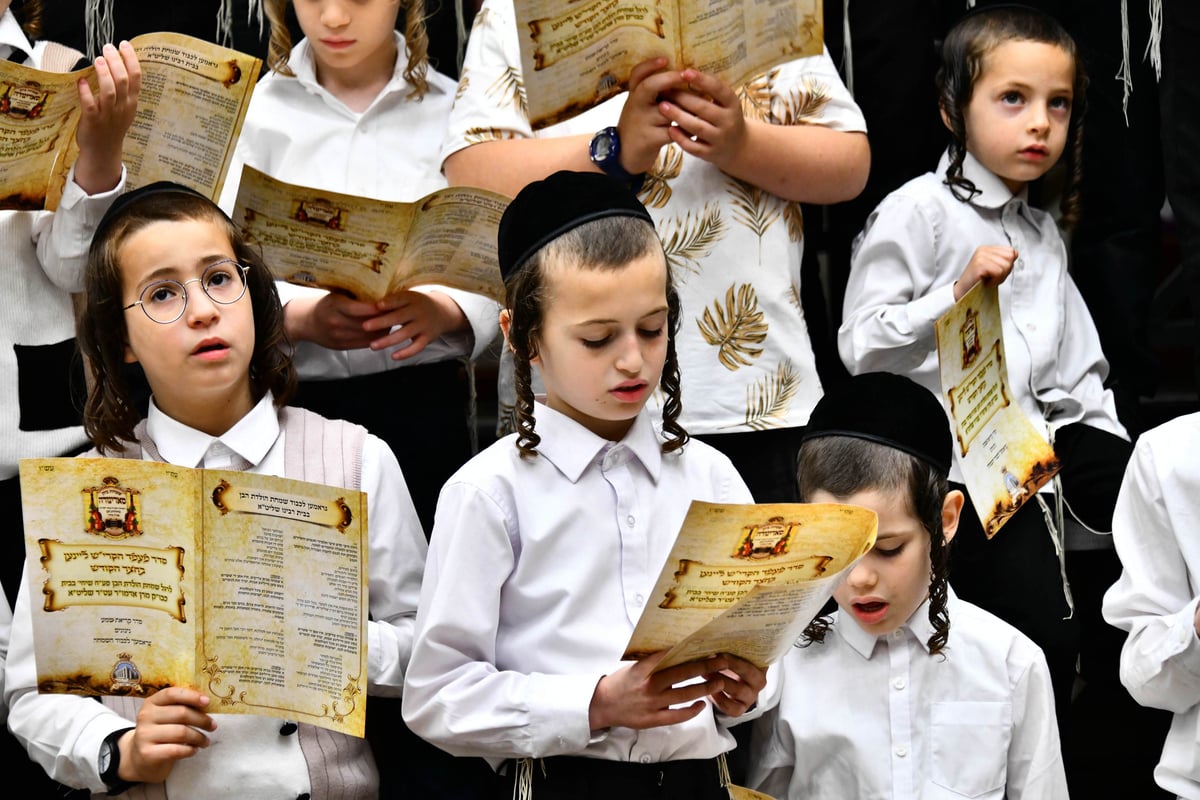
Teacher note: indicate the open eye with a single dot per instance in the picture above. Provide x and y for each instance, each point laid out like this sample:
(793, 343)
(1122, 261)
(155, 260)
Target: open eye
(162, 293)
(1011, 98)
(1061, 103)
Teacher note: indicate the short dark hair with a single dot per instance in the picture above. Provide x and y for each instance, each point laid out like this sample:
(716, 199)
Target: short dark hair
(846, 465)
(111, 413)
(963, 54)
(608, 243)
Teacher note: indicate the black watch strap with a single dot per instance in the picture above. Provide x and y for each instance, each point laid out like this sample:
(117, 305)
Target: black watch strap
(115, 784)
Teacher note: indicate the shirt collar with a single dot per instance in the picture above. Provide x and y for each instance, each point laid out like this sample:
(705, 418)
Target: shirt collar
(992, 191)
(251, 437)
(302, 64)
(917, 627)
(12, 38)
(570, 447)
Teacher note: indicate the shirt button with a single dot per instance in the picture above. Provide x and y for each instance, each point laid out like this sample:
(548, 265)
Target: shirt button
(1031, 326)
(1020, 263)
(899, 683)
(644, 758)
(902, 751)
(896, 634)
(630, 520)
(639, 599)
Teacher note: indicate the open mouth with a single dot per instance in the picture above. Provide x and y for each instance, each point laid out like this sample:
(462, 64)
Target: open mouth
(210, 347)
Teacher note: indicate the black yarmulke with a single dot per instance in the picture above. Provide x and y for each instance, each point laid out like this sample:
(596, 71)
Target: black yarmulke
(546, 209)
(127, 199)
(888, 409)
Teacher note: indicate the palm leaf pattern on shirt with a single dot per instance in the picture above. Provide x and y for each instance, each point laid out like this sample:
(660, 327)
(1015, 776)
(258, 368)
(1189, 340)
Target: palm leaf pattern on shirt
(687, 240)
(463, 83)
(767, 399)
(477, 135)
(805, 104)
(794, 217)
(509, 87)
(735, 327)
(794, 296)
(753, 207)
(656, 189)
(755, 96)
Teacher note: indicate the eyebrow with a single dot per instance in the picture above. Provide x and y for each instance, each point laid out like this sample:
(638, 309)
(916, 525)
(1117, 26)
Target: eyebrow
(168, 272)
(660, 310)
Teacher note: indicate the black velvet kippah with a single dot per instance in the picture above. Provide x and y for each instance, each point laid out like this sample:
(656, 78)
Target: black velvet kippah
(127, 199)
(888, 409)
(546, 209)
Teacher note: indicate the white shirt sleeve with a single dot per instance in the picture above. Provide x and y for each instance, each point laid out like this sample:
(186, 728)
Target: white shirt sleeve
(454, 691)
(1154, 599)
(63, 236)
(61, 732)
(396, 560)
(893, 298)
(1035, 764)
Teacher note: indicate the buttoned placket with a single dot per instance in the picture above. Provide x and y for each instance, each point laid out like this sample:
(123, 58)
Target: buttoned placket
(900, 715)
(616, 464)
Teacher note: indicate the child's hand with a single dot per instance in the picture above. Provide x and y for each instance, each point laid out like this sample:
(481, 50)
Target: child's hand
(166, 731)
(644, 130)
(106, 115)
(636, 697)
(422, 318)
(708, 117)
(332, 320)
(990, 264)
(743, 682)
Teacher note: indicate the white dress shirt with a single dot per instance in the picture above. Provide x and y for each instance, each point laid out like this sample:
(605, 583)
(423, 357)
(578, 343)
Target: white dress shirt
(247, 757)
(42, 257)
(297, 132)
(538, 570)
(1155, 529)
(866, 718)
(913, 248)
(734, 251)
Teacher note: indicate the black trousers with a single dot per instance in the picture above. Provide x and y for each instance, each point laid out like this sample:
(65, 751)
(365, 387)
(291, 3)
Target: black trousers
(1016, 574)
(575, 778)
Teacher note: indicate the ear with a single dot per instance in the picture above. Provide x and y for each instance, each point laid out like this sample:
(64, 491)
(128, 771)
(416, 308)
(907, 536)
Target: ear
(505, 325)
(130, 357)
(952, 508)
(945, 116)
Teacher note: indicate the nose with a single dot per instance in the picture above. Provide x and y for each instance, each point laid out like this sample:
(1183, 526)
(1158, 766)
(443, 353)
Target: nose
(199, 308)
(629, 359)
(333, 15)
(1039, 118)
(863, 576)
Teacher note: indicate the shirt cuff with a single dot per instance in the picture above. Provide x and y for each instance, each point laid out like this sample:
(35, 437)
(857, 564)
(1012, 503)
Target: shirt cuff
(558, 712)
(924, 311)
(92, 206)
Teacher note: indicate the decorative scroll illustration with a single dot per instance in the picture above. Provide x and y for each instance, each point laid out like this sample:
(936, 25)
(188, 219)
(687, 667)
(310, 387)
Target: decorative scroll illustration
(746, 579)
(250, 587)
(1004, 459)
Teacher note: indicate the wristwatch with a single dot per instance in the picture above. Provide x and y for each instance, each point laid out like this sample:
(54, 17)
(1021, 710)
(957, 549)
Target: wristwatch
(110, 763)
(605, 151)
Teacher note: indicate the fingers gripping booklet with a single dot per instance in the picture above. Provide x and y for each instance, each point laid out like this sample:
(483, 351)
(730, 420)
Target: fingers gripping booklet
(746, 579)
(193, 101)
(250, 588)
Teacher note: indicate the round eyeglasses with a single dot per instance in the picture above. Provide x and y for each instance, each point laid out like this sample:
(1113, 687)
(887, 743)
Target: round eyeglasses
(164, 301)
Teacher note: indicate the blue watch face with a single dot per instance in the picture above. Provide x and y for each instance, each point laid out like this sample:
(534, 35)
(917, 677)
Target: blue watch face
(602, 148)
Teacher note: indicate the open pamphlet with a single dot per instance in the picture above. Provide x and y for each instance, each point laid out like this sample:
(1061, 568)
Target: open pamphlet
(746, 579)
(1003, 457)
(576, 55)
(250, 588)
(368, 248)
(190, 111)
